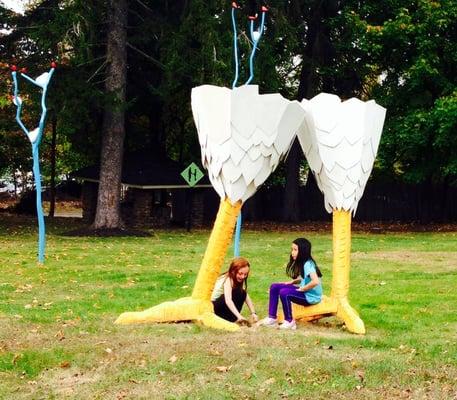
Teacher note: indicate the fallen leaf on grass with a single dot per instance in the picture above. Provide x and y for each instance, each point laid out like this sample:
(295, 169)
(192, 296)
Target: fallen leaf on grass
(15, 358)
(223, 368)
(172, 359)
(122, 395)
(65, 364)
(24, 288)
(360, 375)
(108, 350)
(248, 375)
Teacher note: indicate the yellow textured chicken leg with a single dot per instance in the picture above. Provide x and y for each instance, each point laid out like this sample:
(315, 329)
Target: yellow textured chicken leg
(198, 307)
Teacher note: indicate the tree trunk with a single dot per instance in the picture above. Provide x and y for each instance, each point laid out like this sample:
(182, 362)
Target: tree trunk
(291, 211)
(108, 201)
(317, 51)
(52, 197)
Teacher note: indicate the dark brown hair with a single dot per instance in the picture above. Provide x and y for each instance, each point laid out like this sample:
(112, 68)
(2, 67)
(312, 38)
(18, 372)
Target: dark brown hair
(295, 268)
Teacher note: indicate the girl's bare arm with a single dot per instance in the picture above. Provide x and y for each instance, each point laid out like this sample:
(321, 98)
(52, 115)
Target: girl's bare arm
(314, 282)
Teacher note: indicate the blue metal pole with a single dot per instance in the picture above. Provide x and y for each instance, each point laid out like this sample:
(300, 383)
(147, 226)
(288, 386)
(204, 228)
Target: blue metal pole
(235, 47)
(35, 141)
(236, 247)
(39, 208)
(255, 41)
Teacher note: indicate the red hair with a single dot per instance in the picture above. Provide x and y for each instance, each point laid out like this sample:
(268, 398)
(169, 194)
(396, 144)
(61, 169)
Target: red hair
(236, 264)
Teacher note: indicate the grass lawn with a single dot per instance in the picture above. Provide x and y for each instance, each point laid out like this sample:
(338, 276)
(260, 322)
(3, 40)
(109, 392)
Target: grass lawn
(58, 340)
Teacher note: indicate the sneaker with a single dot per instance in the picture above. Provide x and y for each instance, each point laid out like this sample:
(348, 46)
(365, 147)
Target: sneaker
(269, 322)
(288, 325)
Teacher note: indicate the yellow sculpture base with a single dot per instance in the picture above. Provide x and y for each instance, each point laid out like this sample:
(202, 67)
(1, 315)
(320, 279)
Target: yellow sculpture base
(183, 309)
(327, 307)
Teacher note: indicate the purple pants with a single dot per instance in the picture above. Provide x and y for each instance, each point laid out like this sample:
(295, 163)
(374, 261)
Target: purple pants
(288, 295)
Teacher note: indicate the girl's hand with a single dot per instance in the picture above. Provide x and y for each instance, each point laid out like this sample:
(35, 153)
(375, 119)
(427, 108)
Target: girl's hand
(243, 322)
(254, 318)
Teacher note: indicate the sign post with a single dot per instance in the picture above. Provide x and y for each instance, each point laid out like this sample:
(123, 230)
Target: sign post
(192, 175)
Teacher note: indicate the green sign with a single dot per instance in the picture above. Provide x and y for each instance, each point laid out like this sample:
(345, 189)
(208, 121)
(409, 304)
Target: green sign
(192, 174)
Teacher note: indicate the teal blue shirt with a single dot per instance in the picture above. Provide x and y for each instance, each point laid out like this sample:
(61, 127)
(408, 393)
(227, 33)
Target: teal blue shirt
(313, 295)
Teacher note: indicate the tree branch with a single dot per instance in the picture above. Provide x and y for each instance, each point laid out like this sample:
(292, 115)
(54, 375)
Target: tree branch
(144, 5)
(97, 70)
(156, 62)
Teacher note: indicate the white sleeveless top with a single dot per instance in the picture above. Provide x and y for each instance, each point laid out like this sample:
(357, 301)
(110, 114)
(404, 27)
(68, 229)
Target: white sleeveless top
(218, 290)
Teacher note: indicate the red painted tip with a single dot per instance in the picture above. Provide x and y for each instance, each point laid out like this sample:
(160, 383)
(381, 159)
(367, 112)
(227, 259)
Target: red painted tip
(13, 67)
(264, 9)
(252, 17)
(53, 64)
(235, 4)
(23, 70)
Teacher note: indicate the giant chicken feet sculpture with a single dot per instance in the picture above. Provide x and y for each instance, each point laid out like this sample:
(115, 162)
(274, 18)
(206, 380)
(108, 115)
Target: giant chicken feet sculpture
(340, 141)
(243, 136)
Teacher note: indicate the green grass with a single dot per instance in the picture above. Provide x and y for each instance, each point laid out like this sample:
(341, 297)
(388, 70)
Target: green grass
(58, 340)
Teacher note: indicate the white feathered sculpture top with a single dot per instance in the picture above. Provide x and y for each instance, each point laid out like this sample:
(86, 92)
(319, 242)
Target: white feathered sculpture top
(340, 140)
(243, 135)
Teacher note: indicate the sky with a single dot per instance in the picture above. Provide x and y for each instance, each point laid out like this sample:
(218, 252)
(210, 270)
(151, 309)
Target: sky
(16, 5)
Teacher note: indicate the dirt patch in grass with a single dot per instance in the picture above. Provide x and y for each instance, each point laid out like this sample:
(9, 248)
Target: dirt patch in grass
(66, 382)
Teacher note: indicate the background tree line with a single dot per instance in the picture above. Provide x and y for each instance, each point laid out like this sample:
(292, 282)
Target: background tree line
(127, 67)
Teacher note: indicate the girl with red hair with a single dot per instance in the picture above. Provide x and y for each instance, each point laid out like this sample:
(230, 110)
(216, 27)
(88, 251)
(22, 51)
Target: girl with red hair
(230, 293)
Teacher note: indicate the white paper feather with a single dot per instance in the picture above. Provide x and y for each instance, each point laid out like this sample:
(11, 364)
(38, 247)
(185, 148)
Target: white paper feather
(340, 141)
(243, 136)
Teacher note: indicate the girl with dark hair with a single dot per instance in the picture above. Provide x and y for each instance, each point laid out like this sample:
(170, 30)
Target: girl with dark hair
(230, 293)
(304, 271)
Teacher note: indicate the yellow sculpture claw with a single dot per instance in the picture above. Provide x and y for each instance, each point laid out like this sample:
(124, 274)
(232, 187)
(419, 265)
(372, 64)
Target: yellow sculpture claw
(211, 320)
(198, 307)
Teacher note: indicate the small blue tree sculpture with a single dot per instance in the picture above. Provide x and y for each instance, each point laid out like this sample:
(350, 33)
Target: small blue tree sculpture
(35, 138)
